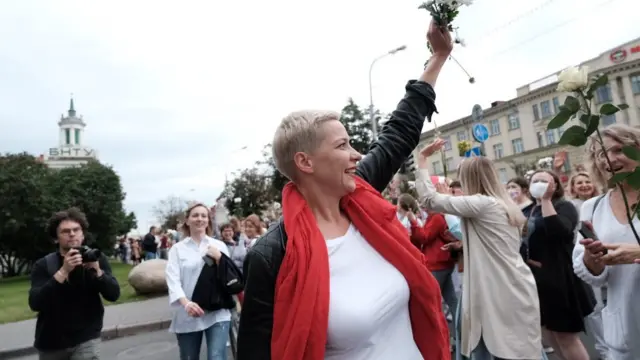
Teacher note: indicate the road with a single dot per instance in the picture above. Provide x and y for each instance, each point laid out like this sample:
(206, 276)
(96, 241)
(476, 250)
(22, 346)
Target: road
(161, 345)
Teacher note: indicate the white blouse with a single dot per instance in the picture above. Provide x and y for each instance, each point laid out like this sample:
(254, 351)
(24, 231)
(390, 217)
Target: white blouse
(368, 306)
(621, 316)
(183, 269)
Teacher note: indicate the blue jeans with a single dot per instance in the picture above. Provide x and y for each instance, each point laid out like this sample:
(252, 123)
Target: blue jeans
(149, 255)
(448, 291)
(216, 338)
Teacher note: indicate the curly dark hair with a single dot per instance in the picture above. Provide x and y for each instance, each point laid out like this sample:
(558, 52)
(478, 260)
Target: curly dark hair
(72, 214)
(225, 226)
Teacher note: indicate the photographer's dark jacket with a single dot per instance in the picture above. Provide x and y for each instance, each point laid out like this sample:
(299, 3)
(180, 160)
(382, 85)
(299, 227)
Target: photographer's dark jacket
(72, 312)
(398, 138)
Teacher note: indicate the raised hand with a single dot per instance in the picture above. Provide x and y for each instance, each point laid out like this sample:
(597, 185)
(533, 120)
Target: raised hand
(440, 39)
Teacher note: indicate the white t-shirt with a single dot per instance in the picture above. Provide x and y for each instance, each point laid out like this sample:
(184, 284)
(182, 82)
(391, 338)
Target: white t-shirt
(369, 304)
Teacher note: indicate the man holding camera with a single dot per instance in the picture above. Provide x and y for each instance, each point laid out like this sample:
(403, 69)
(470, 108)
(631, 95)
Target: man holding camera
(65, 292)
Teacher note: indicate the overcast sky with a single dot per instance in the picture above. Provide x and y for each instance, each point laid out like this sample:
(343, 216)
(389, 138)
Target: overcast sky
(171, 89)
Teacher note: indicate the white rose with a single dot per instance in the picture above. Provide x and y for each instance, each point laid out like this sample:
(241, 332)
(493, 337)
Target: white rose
(573, 79)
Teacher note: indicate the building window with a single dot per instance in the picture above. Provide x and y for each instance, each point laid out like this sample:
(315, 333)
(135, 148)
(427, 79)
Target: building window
(76, 134)
(514, 121)
(502, 174)
(608, 119)
(545, 107)
(518, 147)
(540, 139)
(494, 127)
(603, 94)
(437, 167)
(447, 143)
(635, 84)
(449, 162)
(498, 151)
(560, 132)
(551, 137)
(536, 113)
(556, 105)
(67, 136)
(462, 135)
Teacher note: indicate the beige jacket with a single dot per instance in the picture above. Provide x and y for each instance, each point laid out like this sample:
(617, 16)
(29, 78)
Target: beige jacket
(499, 298)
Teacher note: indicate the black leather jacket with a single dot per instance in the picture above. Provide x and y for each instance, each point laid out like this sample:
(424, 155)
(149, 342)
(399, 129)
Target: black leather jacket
(398, 138)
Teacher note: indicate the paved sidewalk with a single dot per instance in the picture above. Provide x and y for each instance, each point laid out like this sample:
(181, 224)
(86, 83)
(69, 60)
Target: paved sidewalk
(119, 320)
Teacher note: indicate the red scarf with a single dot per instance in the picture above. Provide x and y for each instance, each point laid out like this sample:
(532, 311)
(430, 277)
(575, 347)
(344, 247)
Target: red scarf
(301, 304)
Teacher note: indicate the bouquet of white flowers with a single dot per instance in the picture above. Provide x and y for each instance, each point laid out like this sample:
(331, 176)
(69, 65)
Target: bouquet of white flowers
(444, 12)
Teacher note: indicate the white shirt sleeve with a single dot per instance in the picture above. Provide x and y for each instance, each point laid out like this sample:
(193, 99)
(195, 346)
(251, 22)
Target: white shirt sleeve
(578, 252)
(172, 273)
(468, 206)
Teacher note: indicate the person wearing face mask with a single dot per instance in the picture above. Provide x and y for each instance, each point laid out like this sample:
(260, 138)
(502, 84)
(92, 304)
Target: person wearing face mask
(547, 247)
(518, 189)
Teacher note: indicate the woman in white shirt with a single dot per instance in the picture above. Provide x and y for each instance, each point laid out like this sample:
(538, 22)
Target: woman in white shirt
(190, 323)
(338, 278)
(500, 314)
(607, 213)
(581, 189)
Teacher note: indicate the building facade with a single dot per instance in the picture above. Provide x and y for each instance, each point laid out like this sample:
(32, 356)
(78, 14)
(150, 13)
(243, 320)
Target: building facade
(517, 128)
(70, 151)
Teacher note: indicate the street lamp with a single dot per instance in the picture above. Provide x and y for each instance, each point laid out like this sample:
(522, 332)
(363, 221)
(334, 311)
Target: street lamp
(372, 117)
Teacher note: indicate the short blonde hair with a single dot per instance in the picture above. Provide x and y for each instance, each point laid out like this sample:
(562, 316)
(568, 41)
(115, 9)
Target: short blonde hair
(298, 132)
(572, 183)
(620, 133)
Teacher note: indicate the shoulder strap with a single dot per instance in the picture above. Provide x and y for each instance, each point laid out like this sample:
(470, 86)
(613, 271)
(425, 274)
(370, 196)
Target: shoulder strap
(52, 263)
(595, 205)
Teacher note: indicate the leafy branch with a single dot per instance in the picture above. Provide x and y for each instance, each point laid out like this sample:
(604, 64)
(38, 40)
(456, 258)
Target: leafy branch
(580, 106)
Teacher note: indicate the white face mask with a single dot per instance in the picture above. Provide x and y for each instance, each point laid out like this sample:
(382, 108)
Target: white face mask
(538, 189)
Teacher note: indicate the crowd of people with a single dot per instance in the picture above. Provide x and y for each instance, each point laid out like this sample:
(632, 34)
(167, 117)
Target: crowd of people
(347, 275)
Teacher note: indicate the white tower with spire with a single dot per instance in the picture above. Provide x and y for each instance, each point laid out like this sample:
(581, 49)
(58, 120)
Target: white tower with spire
(70, 150)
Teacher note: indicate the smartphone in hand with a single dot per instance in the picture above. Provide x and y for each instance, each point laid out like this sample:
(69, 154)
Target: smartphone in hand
(587, 233)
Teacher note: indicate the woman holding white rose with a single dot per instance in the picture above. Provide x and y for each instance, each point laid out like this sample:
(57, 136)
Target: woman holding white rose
(608, 216)
(499, 318)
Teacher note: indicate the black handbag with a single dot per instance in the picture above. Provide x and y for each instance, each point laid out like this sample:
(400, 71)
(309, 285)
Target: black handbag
(217, 283)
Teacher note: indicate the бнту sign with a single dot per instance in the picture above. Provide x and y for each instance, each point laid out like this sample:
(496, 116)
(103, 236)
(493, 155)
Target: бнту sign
(71, 153)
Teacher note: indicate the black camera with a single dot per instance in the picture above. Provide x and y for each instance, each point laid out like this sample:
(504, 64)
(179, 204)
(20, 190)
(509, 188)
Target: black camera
(89, 254)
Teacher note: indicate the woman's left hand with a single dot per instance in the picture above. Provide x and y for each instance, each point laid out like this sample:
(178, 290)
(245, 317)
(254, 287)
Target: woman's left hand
(619, 254)
(214, 253)
(442, 188)
(548, 195)
(429, 150)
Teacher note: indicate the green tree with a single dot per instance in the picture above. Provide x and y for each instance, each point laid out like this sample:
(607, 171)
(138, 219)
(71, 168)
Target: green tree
(96, 190)
(248, 193)
(127, 222)
(170, 211)
(277, 181)
(30, 193)
(358, 127)
(25, 207)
